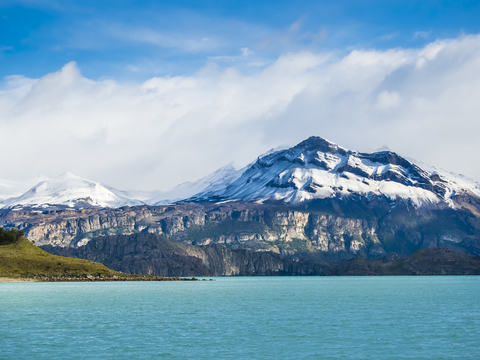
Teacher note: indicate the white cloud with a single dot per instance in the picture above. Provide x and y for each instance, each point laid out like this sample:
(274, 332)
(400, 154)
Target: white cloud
(246, 52)
(387, 99)
(171, 129)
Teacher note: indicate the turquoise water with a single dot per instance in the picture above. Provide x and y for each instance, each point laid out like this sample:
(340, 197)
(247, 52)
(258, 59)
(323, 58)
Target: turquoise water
(244, 318)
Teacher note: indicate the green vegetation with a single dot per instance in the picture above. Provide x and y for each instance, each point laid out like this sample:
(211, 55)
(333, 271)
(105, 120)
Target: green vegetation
(227, 227)
(19, 258)
(300, 246)
(10, 236)
(358, 238)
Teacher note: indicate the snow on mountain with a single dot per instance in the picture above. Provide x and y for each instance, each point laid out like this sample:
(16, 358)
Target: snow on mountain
(140, 195)
(313, 169)
(10, 188)
(459, 179)
(317, 169)
(212, 182)
(67, 191)
(71, 191)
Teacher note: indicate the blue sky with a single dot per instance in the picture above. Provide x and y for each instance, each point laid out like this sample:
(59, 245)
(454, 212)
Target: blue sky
(135, 40)
(148, 94)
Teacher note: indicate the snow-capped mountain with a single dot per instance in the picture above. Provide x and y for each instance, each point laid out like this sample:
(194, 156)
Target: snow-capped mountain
(67, 191)
(212, 182)
(318, 169)
(9, 188)
(313, 169)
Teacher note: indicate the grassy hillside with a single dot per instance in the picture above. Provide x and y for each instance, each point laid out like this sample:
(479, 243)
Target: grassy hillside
(19, 258)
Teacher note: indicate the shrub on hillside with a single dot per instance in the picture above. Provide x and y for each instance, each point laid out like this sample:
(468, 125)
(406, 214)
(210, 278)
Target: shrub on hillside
(10, 236)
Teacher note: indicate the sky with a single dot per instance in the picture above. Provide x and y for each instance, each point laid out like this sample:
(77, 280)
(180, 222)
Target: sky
(148, 94)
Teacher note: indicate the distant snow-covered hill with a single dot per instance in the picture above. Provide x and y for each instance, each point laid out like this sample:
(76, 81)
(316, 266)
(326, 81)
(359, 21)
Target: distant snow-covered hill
(64, 192)
(69, 191)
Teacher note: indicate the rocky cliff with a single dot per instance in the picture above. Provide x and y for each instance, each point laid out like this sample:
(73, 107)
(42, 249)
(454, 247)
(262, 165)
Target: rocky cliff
(151, 254)
(155, 255)
(329, 229)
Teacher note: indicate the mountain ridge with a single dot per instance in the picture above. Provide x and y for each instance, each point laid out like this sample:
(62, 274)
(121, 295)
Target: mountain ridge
(313, 169)
(317, 168)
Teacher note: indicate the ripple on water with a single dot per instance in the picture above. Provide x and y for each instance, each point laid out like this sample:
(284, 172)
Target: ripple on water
(262, 317)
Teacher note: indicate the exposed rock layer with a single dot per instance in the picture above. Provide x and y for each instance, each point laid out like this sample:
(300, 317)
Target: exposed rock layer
(155, 255)
(328, 229)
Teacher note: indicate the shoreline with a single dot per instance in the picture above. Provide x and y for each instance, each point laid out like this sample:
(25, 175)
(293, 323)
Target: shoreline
(92, 279)
(15, 280)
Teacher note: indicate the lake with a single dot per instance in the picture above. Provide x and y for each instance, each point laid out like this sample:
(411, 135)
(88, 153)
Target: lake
(423, 317)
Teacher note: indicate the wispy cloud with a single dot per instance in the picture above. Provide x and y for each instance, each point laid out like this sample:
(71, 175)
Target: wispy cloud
(421, 34)
(389, 36)
(5, 48)
(195, 41)
(292, 37)
(230, 58)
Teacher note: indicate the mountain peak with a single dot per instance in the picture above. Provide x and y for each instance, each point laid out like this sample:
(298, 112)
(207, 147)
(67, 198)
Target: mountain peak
(318, 143)
(68, 174)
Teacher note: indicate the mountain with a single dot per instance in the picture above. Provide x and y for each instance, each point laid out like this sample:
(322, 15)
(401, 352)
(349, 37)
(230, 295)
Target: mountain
(314, 169)
(212, 182)
(319, 169)
(315, 200)
(67, 191)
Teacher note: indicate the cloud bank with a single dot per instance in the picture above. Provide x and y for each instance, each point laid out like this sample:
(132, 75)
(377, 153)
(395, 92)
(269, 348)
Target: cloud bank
(422, 103)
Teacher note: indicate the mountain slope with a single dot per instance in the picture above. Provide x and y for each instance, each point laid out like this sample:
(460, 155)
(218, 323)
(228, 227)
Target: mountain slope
(9, 189)
(319, 169)
(212, 182)
(459, 179)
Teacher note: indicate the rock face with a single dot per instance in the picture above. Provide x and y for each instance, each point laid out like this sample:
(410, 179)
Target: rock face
(433, 261)
(329, 229)
(315, 200)
(155, 255)
(151, 254)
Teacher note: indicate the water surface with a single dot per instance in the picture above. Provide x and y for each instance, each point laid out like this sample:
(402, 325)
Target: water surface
(258, 317)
